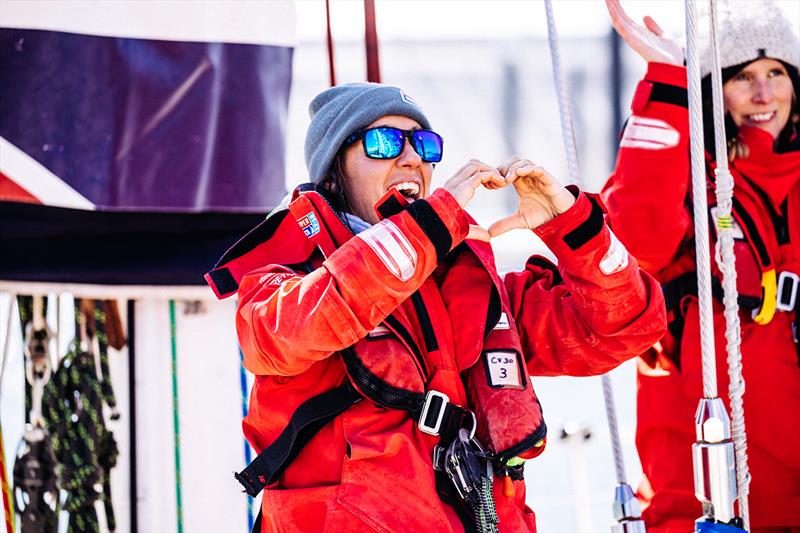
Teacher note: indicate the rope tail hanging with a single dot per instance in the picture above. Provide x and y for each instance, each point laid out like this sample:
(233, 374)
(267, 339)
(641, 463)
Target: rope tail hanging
(72, 407)
(713, 453)
(727, 263)
(626, 506)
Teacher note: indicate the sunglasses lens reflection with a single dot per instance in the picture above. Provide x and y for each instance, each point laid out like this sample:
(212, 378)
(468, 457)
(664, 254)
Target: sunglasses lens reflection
(383, 143)
(428, 145)
(388, 143)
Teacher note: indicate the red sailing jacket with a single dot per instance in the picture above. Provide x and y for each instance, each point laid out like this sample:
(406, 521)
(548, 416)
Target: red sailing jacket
(649, 207)
(321, 291)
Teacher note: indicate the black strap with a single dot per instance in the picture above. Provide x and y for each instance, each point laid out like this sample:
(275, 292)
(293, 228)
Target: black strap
(257, 523)
(686, 284)
(669, 94)
(306, 421)
(587, 229)
(752, 230)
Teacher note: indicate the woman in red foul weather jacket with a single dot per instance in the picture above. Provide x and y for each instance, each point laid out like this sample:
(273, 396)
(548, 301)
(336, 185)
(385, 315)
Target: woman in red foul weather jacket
(650, 209)
(391, 362)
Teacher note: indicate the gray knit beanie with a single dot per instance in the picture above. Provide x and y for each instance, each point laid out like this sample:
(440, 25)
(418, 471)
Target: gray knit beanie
(749, 30)
(340, 111)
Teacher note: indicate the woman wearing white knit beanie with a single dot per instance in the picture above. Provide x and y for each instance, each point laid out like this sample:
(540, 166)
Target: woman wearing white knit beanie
(650, 209)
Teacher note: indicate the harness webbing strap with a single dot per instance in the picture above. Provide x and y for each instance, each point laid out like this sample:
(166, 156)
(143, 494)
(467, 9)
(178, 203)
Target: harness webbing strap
(752, 231)
(313, 415)
(309, 418)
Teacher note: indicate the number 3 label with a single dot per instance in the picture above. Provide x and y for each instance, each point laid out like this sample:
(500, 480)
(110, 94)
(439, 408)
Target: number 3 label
(503, 369)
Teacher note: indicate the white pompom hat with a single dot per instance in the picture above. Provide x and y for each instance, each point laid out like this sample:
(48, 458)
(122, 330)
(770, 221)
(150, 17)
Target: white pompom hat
(748, 30)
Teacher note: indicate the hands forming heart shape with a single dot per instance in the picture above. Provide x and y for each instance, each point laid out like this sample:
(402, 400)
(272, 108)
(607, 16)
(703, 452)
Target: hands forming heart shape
(540, 196)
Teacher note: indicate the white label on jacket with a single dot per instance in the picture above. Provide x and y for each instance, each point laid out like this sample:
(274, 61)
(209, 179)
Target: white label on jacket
(309, 224)
(274, 278)
(616, 258)
(649, 134)
(503, 369)
(503, 322)
(737, 229)
(392, 248)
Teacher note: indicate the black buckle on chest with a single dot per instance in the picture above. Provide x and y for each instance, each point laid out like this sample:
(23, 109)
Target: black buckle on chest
(788, 283)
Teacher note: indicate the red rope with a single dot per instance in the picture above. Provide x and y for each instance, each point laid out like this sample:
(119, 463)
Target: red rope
(371, 42)
(331, 67)
(8, 502)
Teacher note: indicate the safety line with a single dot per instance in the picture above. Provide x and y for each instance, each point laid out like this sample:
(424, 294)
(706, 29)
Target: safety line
(175, 421)
(247, 453)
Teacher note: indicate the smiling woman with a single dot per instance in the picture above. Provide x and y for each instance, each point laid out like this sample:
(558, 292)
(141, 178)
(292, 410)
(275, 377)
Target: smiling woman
(761, 95)
(368, 178)
(370, 286)
(759, 60)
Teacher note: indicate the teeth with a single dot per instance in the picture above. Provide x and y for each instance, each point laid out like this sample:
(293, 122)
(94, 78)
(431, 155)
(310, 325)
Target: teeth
(762, 117)
(407, 188)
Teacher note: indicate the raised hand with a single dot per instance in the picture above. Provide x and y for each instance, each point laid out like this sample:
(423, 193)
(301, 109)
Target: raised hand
(540, 197)
(649, 41)
(464, 183)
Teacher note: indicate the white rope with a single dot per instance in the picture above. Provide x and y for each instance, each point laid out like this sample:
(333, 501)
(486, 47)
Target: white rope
(700, 205)
(727, 263)
(613, 430)
(573, 167)
(564, 107)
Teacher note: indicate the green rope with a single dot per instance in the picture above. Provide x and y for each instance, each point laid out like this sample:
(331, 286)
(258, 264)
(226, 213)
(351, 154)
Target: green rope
(175, 421)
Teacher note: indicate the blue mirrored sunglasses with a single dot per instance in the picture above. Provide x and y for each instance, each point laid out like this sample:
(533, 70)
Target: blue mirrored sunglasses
(387, 143)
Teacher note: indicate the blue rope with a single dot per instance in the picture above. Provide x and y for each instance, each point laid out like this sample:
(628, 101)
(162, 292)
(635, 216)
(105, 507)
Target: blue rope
(247, 452)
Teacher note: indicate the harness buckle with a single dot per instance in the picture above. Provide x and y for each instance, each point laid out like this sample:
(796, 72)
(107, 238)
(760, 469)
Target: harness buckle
(788, 283)
(430, 420)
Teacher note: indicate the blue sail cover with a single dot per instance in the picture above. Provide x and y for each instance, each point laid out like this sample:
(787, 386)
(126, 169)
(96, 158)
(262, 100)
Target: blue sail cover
(138, 140)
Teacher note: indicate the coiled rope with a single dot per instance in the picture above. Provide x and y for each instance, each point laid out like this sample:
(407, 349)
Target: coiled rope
(727, 264)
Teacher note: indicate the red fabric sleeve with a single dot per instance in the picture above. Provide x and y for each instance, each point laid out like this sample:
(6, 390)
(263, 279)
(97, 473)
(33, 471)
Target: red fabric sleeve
(646, 194)
(594, 311)
(287, 321)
